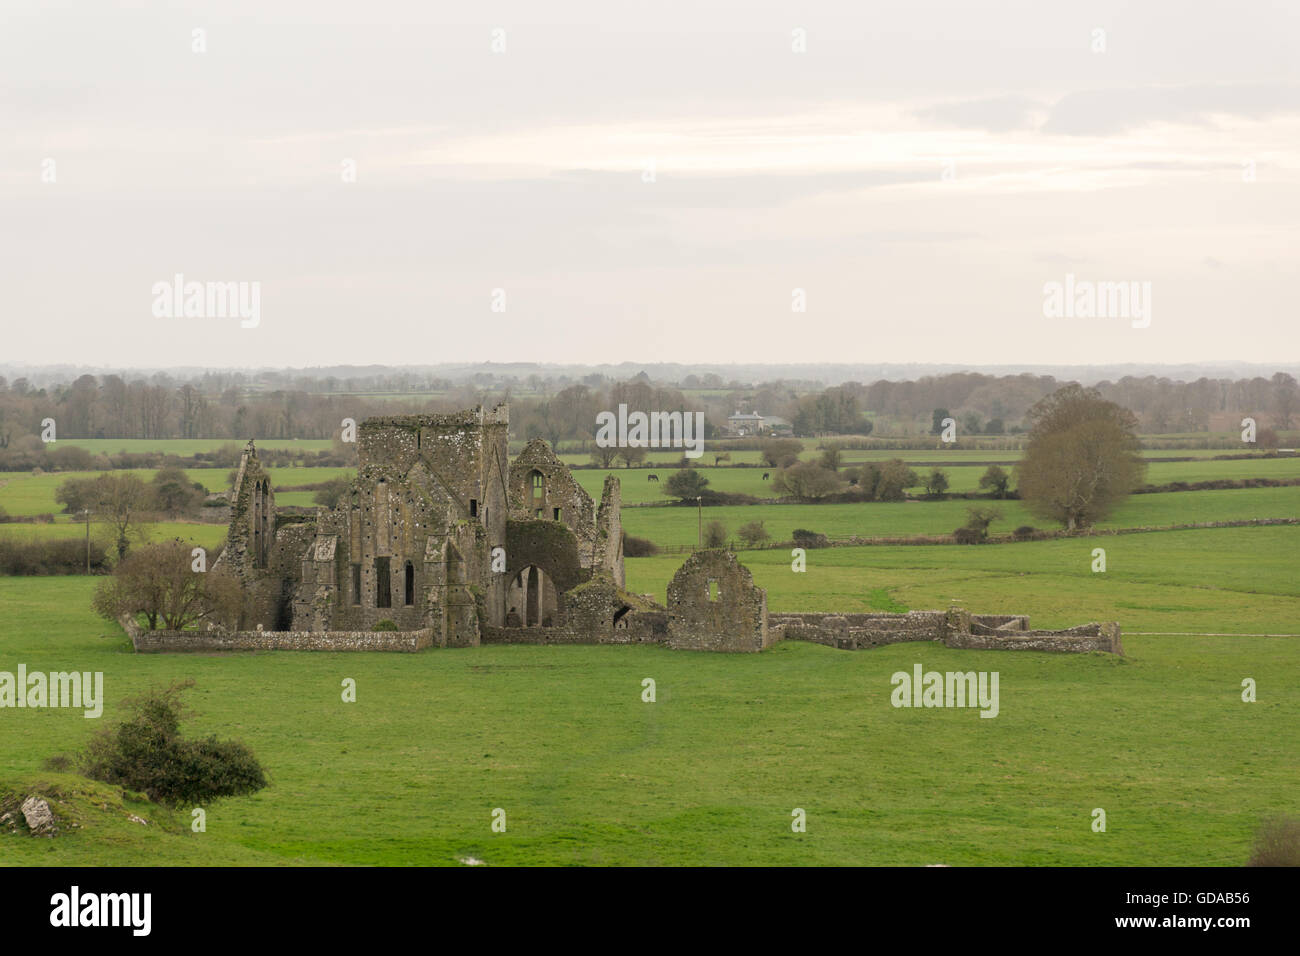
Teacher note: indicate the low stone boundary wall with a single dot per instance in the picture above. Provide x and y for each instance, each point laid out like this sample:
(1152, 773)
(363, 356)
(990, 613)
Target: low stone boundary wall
(647, 630)
(853, 632)
(956, 629)
(843, 631)
(1074, 640)
(164, 642)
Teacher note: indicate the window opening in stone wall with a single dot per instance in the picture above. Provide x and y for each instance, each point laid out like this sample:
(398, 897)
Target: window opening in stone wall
(713, 590)
(356, 584)
(383, 584)
(557, 513)
(410, 584)
(473, 507)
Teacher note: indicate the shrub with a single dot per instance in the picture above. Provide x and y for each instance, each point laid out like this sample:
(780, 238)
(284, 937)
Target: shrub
(753, 534)
(966, 535)
(715, 535)
(329, 493)
(936, 482)
(979, 519)
(894, 479)
(58, 556)
(996, 480)
(1277, 843)
(146, 752)
(385, 625)
(638, 547)
(780, 452)
(1024, 532)
(60, 763)
(685, 484)
(807, 481)
(803, 538)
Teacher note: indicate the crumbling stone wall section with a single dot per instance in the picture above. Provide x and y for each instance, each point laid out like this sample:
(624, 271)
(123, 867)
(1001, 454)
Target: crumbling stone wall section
(954, 628)
(713, 605)
(858, 631)
(541, 488)
(1074, 640)
(609, 532)
(251, 534)
(984, 623)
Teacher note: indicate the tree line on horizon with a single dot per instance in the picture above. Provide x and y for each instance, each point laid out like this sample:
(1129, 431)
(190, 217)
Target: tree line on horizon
(161, 407)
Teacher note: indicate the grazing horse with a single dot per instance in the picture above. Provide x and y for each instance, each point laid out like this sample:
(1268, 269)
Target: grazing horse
(766, 475)
(652, 477)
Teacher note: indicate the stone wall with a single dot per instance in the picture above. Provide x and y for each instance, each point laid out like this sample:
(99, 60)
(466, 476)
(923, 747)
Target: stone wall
(857, 631)
(953, 628)
(1074, 640)
(713, 605)
(162, 642)
(251, 532)
(540, 487)
(608, 556)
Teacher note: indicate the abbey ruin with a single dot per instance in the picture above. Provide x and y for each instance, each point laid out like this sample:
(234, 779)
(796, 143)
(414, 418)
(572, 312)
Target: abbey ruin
(442, 541)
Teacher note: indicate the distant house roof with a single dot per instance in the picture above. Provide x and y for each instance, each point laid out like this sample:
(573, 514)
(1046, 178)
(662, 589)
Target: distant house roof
(745, 417)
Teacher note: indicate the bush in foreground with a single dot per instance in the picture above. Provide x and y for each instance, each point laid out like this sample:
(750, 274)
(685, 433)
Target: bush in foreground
(146, 752)
(1277, 843)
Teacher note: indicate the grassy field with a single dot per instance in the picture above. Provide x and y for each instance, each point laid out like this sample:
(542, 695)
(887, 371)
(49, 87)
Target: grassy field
(676, 525)
(587, 773)
(22, 493)
(637, 487)
(559, 737)
(184, 447)
(1219, 580)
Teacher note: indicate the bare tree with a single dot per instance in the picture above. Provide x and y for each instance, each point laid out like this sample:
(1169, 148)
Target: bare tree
(123, 502)
(159, 582)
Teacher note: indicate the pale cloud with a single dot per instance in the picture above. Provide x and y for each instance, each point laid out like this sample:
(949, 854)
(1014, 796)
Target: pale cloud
(921, 171)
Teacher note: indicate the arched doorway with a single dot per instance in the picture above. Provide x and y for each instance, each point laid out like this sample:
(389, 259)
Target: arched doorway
(532, 599)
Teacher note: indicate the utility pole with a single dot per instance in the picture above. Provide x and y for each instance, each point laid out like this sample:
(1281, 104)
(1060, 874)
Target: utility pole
(86, 512)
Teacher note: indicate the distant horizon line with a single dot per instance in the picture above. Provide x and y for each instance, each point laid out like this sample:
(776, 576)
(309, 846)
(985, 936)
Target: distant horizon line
(468, 363)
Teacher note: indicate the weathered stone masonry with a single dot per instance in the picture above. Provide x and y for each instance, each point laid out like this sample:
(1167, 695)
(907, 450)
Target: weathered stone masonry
(441, 541)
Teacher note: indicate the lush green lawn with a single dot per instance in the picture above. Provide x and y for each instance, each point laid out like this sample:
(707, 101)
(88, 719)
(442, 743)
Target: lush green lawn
(1219, 580)
(560, 739)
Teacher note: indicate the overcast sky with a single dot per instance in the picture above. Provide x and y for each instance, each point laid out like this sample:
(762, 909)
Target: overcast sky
(921, 171)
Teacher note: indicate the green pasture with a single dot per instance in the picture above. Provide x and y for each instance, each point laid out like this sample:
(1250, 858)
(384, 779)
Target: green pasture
(1215, 580)
(678, 525)
(23, 493)
(587, 773)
